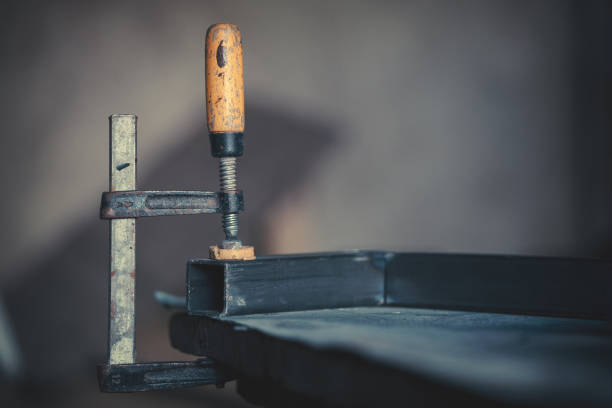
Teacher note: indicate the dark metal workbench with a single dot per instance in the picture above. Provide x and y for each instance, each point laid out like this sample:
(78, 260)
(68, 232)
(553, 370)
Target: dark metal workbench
(371, 328)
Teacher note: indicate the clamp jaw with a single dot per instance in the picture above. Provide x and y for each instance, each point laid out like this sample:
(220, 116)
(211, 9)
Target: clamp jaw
(123, 203)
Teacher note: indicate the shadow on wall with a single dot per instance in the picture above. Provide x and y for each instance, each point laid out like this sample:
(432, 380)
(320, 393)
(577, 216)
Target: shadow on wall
(59, 308)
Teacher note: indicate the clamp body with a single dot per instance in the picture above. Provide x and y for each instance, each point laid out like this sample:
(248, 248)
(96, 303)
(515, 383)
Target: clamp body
(123, 203)
(121, 206)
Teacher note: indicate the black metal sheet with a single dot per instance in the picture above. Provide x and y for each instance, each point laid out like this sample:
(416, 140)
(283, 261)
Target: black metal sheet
(375, 356)
(507, 284)
(286, 282)
(510, 284)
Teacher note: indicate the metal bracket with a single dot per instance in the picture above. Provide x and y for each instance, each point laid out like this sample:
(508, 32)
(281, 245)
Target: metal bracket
(136, 204)
(160, 375)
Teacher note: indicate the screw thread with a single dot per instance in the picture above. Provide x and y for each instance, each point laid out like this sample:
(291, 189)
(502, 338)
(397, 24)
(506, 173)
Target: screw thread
(227, 173)
(228, 181)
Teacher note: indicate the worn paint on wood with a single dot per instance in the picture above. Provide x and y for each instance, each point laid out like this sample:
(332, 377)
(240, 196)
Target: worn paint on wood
(224, 79)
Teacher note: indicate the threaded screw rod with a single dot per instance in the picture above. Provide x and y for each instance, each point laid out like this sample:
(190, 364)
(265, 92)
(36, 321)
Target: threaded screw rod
(228, 182)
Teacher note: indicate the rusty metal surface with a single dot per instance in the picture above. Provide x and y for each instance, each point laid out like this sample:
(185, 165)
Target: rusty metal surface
(160, 375)
(122, 273)
(134, 204)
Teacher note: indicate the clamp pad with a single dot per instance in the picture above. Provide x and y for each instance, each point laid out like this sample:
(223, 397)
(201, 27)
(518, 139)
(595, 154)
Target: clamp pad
(245, 253)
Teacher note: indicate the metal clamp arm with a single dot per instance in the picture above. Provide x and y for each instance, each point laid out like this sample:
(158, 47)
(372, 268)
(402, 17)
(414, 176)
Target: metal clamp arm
(135, 204)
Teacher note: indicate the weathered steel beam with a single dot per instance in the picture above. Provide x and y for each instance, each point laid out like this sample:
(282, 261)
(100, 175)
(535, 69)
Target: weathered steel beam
(489, 283)
(285, 282)
(122, 274)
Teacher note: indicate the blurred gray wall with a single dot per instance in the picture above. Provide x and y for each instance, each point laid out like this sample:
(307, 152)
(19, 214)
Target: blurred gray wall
(476, 126)
(453, 118)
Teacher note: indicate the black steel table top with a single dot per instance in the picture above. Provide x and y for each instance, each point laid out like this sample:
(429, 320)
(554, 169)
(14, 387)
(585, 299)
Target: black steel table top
(372, 328)
(368, 355)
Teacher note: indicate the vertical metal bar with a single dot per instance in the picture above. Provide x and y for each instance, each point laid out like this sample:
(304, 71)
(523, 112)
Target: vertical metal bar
(122, 278)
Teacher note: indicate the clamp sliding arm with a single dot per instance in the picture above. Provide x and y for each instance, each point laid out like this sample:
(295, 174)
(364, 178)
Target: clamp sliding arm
(136, 204)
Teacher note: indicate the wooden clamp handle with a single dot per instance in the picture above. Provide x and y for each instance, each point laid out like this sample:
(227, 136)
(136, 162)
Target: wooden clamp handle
(224, 79)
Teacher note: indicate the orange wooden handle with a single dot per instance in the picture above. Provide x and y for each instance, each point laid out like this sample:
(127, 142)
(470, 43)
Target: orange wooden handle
(224, 79)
